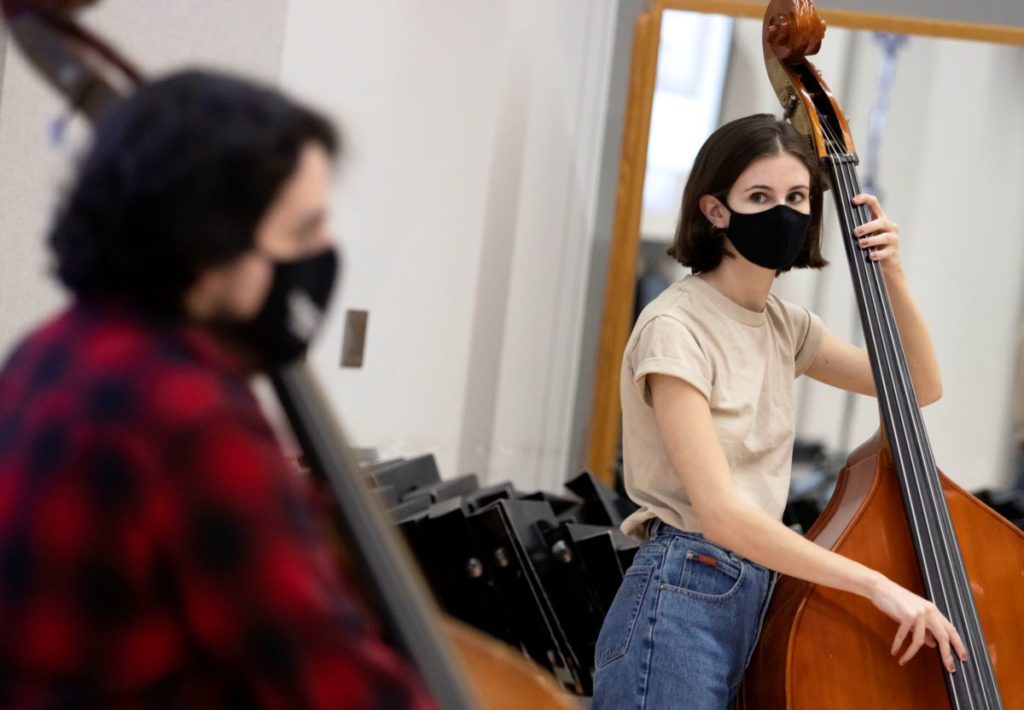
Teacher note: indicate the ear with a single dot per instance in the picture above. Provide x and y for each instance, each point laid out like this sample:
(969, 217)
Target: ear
(715, 212)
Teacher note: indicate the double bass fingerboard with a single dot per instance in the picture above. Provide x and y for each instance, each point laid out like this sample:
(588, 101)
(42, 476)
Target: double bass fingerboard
(931, 528)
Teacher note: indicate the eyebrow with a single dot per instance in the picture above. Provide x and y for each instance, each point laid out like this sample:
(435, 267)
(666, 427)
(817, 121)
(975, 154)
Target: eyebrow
(767, 187)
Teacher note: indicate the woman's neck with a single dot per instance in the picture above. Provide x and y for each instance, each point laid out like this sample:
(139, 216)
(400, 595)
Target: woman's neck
(741, 282)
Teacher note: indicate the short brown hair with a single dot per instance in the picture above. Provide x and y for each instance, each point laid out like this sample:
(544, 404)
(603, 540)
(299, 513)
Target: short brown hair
(724, 155)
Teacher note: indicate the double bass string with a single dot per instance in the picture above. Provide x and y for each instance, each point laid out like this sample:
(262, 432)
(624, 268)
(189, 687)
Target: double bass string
(954, 572)
(845, 185)
(899, 386)
(871, 312)
(878, 314)
(867, 272)
(942, 589)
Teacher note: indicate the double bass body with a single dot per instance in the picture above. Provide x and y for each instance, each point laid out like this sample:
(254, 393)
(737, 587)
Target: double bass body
(822, 648)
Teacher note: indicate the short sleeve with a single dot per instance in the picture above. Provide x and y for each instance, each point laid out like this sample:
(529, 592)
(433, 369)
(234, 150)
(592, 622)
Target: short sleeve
(806, 329)
(666, 346)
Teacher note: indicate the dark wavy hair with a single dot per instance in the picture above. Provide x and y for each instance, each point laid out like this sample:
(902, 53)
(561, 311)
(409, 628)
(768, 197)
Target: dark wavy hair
(176, 181)
(724, 155)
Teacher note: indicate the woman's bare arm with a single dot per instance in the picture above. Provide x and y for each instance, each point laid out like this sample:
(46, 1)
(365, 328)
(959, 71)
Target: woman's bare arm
(684, 419)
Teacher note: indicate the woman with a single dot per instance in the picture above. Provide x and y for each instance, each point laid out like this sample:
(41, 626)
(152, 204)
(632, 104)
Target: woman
(708, 427)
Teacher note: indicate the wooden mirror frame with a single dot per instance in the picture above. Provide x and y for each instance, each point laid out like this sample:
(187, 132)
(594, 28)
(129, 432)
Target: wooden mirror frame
(605, 416)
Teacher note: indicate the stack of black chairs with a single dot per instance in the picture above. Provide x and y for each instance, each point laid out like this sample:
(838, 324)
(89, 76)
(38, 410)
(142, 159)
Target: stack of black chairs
(539, 571)
(535, 570)
(1008, 503)
(811, 491)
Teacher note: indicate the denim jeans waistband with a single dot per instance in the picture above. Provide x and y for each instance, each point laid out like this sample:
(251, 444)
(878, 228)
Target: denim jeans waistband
(658, 526)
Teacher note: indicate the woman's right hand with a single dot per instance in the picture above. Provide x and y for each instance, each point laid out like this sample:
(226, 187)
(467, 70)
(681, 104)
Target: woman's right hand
(920, 616)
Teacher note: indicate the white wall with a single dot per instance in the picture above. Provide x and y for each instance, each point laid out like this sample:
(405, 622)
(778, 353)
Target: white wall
(956, 194)
(464, 207)
(467, 200)
(465, 204)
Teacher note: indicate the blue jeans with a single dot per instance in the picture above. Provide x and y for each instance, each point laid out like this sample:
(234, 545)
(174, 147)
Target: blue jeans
(682, 627)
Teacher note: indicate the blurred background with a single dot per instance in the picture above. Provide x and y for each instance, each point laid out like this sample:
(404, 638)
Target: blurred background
(476, 195)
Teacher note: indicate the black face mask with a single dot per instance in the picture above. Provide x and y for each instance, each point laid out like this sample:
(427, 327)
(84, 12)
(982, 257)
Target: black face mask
(291, 314)
(772, 239)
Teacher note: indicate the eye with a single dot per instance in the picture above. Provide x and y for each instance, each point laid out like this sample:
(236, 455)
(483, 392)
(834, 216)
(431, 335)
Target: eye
(795, 198)
(758, 198)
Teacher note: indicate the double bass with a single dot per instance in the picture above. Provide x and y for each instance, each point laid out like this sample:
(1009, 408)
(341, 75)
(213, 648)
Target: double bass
(893, 510)
(461, 667)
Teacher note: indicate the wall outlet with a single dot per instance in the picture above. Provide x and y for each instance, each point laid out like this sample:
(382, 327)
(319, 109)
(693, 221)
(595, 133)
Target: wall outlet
(353, 338)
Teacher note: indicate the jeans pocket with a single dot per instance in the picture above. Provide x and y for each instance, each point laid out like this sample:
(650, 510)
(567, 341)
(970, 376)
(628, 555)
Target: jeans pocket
(708, 572)
(617, 629)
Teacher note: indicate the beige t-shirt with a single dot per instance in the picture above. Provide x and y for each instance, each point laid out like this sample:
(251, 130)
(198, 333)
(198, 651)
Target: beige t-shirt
(744, 362)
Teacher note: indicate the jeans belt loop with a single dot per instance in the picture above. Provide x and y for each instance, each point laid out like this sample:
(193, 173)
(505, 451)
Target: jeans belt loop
(652, 528)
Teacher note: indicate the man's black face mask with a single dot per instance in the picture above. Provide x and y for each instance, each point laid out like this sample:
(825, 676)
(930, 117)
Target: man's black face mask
(291, 314)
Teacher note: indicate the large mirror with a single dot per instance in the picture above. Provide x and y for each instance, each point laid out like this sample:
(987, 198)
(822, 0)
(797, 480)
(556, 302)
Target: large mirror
(938, 125)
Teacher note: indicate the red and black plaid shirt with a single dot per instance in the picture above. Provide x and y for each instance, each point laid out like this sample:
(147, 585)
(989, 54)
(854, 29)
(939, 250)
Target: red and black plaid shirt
(155, 550)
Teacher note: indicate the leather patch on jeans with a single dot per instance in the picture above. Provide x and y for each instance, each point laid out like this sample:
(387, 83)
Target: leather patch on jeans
(704, 559)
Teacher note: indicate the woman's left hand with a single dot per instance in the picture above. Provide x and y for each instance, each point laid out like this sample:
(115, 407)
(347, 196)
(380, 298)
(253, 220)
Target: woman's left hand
(879, 233)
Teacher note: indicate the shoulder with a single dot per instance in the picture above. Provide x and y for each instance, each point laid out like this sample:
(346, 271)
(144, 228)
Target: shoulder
(791, 317)
(131, 374)
(207, 431)
(678, 307)
(799, 328)
(185, 393)
(669, 339)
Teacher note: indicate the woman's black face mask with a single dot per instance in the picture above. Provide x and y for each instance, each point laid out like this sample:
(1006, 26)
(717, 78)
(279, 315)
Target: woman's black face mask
(772, 238)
